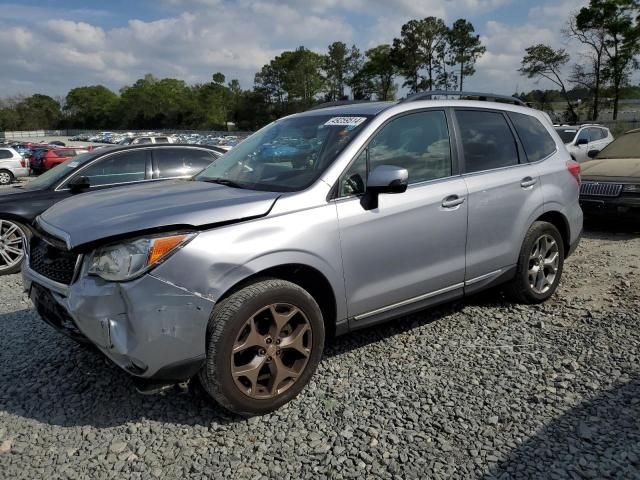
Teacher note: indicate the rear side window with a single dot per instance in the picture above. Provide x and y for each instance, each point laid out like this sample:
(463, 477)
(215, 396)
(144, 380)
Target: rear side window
(5, 154)
(535, 139)
(597, 134)
(65, 153)
(162, 140)
(181, 162)
(487, 141)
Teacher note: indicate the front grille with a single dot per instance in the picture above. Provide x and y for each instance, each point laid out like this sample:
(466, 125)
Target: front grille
(597, 189)
(52, 262)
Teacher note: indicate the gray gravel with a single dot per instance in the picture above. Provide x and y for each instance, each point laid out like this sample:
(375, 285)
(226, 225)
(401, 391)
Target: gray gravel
(476, 389)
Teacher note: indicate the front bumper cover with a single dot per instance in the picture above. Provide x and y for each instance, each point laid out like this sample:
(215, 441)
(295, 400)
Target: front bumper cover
(149, 327)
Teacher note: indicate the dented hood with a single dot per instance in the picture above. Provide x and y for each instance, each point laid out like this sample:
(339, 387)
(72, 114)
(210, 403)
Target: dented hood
(119, 212)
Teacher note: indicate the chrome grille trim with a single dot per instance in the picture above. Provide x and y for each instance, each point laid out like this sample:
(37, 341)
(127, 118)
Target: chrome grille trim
(600, 189)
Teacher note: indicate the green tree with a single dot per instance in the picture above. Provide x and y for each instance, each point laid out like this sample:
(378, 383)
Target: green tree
(467, 48)
(340, 65)
(91, 107)
(542, 61)
(379, 73)
(419, 49)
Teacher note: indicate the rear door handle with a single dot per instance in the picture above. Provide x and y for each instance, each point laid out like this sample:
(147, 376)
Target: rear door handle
(452, 201)
(528, 182)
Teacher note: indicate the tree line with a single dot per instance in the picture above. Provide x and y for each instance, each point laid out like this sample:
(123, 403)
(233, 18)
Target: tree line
(609, 33)
(428, 54)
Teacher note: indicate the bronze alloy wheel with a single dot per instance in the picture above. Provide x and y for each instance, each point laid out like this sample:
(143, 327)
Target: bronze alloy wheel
(543, 264)
(271, 351)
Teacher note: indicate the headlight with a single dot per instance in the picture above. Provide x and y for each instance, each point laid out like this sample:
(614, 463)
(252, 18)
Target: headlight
(125, 261)
(631, 188)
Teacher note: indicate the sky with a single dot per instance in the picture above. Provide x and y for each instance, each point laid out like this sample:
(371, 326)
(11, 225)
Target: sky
(49, 46)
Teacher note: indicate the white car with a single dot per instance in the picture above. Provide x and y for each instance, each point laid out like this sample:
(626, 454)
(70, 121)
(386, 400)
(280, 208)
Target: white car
(582, 139)
(12, 166)
(152, 139)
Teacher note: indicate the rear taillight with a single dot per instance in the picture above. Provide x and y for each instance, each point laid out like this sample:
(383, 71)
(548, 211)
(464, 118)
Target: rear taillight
(23, 163)
(574, 169)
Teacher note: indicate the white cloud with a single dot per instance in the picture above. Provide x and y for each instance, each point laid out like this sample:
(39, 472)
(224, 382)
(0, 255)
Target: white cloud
(196, 38)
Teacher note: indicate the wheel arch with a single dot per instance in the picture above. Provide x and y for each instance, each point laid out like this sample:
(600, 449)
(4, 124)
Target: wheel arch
(558, 220)
(307, 277)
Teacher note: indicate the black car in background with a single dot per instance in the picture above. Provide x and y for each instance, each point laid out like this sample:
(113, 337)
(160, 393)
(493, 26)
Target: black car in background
(95, 170)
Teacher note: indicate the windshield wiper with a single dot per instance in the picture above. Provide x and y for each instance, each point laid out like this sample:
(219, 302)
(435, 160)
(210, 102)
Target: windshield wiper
(222, 181)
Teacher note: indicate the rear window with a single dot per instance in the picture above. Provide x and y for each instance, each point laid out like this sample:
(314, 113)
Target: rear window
(567, 134)
(535, 139)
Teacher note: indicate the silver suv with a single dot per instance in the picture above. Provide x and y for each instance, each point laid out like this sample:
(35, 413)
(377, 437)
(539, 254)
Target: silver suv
(320, 223)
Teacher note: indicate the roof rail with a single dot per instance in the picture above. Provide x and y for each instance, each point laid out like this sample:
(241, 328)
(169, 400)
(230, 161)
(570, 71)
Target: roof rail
(337, 103)
(487, 97)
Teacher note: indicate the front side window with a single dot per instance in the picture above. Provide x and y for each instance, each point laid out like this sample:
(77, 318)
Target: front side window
(118, 168)
(418, 142)
(181, 162)
(487, 141)
(536, 141)
(584, 135)
(597, 134)
(287, 155)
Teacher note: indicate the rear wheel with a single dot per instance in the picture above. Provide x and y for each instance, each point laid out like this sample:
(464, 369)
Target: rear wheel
(12, 245)
(6, 177)
(263, 344)
(539, 266)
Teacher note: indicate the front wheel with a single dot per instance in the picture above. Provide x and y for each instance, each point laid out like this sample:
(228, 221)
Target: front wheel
(12, 245)
(539, 266)
(6, 177)
(263, 344)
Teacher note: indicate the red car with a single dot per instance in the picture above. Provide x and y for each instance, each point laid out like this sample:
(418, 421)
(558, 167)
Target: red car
(54, 157)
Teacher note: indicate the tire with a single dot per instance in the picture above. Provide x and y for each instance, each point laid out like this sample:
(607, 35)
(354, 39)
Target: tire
(6, 177)
(234, 317)
(10, 262)
(521, 289)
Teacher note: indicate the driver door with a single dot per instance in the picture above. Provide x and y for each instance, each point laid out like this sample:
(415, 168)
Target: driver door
(410, 251)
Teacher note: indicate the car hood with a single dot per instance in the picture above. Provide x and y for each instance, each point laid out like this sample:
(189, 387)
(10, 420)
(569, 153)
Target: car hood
(120, 212)
(611, 167)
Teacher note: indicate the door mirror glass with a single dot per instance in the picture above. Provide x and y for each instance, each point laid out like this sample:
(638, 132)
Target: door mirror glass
(582, 141)
(79, 184)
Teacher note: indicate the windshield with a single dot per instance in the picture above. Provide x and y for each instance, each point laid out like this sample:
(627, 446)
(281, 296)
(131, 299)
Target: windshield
(567, 134)
(287, 155)
(50, 177)
(626, 146)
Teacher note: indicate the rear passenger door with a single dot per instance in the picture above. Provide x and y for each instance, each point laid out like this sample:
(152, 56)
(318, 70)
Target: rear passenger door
(181, 162)
(410, 250)
(504, 193)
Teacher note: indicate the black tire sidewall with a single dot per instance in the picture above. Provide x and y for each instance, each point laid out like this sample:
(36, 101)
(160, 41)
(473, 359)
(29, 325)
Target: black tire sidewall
(537, 230)
(221, 365)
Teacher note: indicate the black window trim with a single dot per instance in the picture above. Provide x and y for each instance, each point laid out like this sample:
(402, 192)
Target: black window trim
(147, 176)
(334, 193)
(155, 171)
(519, 148)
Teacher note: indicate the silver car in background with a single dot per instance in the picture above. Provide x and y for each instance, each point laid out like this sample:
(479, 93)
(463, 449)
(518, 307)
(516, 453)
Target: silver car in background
(320, 223)
(12, 166)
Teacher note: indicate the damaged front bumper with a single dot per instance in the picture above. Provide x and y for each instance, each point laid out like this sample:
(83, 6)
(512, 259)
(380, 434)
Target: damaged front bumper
(149, 327)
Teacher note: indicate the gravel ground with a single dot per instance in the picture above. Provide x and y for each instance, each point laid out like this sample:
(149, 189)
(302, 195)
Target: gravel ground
(477, 389)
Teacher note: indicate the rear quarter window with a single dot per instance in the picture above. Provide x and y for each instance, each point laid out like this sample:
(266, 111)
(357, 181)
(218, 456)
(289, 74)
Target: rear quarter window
(4, 153)
(536, 140)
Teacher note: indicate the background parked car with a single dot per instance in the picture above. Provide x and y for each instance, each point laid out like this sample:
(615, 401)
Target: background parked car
(579, 140)
(54, 157)
(149, 139)
(95, 170)
(12, 165)
(611, 181)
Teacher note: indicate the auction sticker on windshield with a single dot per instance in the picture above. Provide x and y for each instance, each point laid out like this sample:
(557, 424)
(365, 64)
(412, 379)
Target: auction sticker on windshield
(346, 121)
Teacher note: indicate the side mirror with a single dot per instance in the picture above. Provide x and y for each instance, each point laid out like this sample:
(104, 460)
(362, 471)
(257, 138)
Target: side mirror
(593, 153)
(79, 184)
(384, 179)
(582, 141)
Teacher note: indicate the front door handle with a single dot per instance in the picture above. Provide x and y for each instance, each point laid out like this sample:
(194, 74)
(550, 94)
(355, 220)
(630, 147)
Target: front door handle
(528, 182)
(452, 201)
